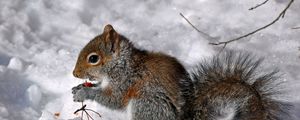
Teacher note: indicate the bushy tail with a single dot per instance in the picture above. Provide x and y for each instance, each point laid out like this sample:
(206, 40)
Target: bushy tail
(232, 87)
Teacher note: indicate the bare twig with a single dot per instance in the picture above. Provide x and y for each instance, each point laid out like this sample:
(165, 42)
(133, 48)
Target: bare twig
(299, 50)
(80, 109)
(201, 32)
(84, 110)
(88, 116)
(296, 28)
(281, 15)
(258, 5)
(93, 111)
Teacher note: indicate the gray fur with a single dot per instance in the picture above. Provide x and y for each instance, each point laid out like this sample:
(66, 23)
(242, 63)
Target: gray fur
(153, 105)
(247, 83)
(250, 96)
(119, 72)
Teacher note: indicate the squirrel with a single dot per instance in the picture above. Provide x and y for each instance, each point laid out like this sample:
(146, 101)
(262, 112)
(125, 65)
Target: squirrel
(155, 86)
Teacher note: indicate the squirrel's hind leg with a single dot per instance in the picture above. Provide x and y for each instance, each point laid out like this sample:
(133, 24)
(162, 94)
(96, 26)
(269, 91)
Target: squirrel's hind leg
(153, 109)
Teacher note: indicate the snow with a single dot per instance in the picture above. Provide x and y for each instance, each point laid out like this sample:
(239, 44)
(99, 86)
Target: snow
(34, 95)
(40, 41)
(3, 111)
(15, 64)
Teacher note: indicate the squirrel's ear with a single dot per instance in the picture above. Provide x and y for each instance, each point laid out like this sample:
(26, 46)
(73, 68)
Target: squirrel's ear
(111, 38)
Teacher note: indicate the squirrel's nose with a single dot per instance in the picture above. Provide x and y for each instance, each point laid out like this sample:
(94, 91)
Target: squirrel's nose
(76, 73)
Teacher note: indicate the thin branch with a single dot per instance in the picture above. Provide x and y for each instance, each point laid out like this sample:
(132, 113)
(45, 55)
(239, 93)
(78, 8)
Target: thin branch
(281, 15)
(84, 110)
(296, 28)
(80, 109)
(201, 32)
(299, 50)
(81, 115)
(93, 111)
(258, 5)
(88, 115)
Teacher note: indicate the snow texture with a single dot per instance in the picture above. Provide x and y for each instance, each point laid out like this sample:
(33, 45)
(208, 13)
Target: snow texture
(40, 41)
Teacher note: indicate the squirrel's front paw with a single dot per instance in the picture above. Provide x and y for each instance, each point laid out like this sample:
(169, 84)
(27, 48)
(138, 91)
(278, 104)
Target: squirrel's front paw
(79, 93)
(77, 88)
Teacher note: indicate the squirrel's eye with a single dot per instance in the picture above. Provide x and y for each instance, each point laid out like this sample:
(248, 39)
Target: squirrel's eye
(93, 58)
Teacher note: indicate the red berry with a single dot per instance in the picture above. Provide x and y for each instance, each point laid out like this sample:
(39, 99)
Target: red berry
(88, 84)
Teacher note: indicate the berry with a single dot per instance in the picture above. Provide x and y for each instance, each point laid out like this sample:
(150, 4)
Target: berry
(87, 84)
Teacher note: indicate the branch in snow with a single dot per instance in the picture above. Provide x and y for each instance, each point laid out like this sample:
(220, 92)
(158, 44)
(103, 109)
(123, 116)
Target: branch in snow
(207, 36)
(299, 50)
(84, 110)
(296, 28)
(281, 15)
(258, 5)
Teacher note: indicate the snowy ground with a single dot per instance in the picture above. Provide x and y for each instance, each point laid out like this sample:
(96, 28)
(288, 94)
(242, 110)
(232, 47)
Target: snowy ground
(40, 41)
